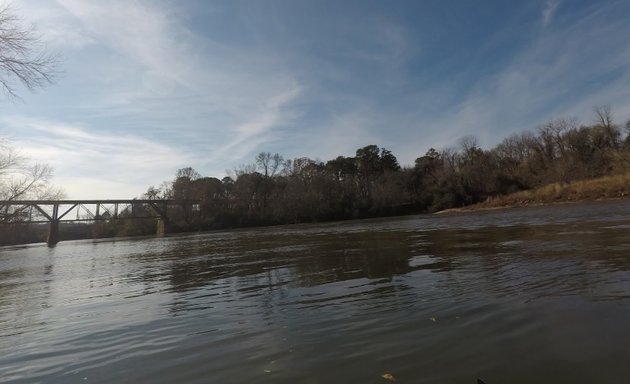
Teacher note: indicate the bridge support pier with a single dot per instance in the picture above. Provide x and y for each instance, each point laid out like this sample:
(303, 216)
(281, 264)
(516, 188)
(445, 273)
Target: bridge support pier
(163, 226)
(53, 233)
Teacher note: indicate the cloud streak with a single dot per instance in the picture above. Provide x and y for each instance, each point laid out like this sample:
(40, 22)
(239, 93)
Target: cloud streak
(211, 88)
(87, 159)
(549, 11)
(560, 73)
(156, 80)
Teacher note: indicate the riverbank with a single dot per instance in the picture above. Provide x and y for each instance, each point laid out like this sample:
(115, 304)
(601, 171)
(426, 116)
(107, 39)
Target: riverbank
(602, 188)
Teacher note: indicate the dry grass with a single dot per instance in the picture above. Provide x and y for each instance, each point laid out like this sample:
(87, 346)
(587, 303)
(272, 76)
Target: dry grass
(608, 187)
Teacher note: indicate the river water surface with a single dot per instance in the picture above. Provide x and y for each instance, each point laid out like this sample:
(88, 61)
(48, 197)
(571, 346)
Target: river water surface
(538, 295)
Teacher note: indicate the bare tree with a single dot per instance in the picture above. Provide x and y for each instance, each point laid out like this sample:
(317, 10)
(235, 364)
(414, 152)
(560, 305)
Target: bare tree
(268, 163)
(152, 193)
(468, 144)
(604, 119)
(8, 157)
(240, 170)
(188, 173)
(21, 180)
(22, 55)
(603, 116)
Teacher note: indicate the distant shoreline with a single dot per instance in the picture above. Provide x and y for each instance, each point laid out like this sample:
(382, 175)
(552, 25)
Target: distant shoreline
(599, 189)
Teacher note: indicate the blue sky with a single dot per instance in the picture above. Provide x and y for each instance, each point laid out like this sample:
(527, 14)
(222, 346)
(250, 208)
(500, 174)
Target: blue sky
(149, 87)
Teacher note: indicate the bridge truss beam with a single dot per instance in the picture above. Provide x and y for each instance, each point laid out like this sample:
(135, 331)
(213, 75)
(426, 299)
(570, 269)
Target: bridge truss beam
(58, 211)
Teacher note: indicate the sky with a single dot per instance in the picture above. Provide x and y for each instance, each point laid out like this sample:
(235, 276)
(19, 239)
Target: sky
(148, 87)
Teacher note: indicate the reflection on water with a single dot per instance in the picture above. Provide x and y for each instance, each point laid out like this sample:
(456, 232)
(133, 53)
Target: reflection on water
(521, 296)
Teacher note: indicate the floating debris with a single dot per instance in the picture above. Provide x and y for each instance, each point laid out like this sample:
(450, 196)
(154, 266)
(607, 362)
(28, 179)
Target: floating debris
(388, 376)
(433, 319)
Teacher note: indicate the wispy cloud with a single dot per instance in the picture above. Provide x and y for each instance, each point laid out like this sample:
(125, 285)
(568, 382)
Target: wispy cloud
(154, 77)
(176, 66)
(251, 134)
(83, 158)
(173, 61)
(561, 73)
(54, 27)
(156, 82)
(549, 11)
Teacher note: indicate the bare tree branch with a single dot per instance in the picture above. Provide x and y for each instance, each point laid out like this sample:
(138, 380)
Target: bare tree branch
(604, 116)
(23, 58)
(21, 180)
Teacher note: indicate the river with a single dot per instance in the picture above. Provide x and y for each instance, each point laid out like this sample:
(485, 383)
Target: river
(536, 295)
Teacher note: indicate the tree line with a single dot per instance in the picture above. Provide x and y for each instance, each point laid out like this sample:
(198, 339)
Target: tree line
(275, 190)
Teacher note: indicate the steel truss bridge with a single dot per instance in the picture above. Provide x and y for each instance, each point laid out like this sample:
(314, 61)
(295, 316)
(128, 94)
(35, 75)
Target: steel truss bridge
(54, 212)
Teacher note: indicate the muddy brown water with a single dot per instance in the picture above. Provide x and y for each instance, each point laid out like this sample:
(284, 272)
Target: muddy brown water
(537, 295)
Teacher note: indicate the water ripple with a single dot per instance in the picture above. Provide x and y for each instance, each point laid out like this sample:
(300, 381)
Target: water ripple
(540, 295)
